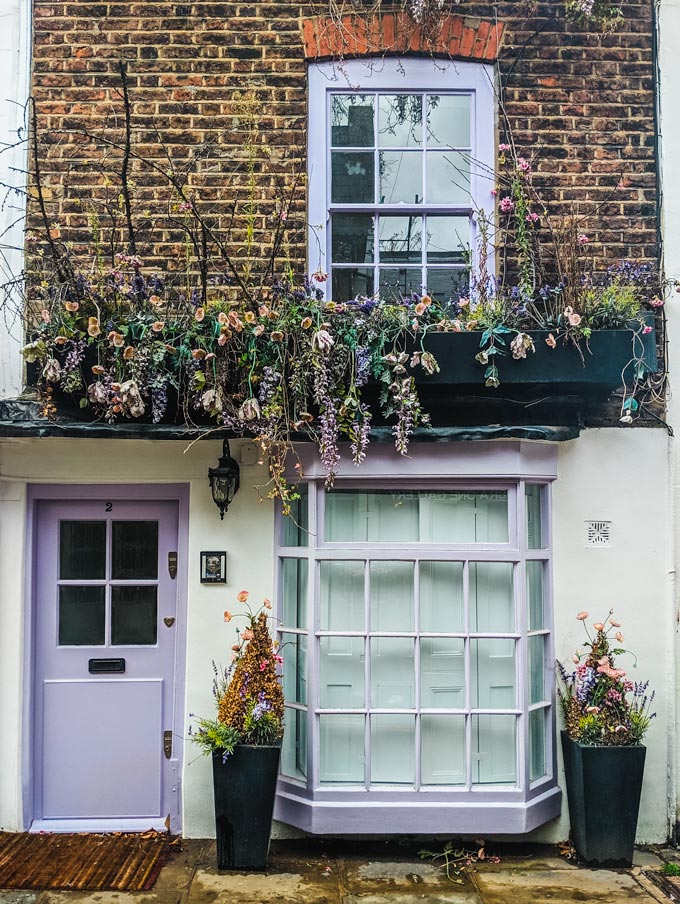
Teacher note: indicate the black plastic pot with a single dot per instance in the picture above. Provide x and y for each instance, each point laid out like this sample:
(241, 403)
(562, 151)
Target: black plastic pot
(603, 790)
(244, 788)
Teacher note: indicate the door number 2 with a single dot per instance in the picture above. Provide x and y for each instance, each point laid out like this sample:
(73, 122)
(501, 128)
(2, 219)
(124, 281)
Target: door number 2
(108, 506)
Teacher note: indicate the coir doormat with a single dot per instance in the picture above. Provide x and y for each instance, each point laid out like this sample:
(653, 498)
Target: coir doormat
(116, 862)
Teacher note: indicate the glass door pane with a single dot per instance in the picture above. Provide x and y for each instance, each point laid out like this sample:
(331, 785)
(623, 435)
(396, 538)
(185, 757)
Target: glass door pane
(342, 749)
(392, 749)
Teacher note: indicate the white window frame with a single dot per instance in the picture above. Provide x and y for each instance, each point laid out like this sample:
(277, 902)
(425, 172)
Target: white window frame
(400, 75)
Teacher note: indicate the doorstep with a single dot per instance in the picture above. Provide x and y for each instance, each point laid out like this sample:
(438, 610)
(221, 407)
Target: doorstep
(317, 872)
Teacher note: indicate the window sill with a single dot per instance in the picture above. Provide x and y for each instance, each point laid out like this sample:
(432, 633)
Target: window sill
(363, 813)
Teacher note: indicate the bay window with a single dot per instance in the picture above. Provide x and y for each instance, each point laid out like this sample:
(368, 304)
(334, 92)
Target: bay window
(417, 655)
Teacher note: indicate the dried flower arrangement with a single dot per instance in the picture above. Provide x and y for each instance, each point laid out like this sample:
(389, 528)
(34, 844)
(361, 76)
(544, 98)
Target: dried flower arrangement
(248, 694)
(600, 704)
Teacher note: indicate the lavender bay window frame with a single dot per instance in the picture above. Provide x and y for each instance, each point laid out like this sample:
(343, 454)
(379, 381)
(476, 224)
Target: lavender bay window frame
(487, 809)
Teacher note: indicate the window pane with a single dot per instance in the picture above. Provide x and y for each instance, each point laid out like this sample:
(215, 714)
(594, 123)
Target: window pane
(81, 616)
(135, 550)
(537, 743)
(294, 587)
(492, 608)
(448, 239)
(448, 178)
(392, 673)
(442, 746)
(494, 756)
(535, 595)
(392, 749)
(536, 669)
(533, 494)
(441, 597)
(294, 747)
(395, 284)
(352, 177)
(352, 120)
(447, 284)
(492, 674)
(401, 177)
(351, 282)
(391, 596)
(379, 516)
(352, 238)
(82, 550)
(294, 652)
(134, 615)
(448, 121)
(341, 672)
(342, 749)
(342, 596)
(295, 529)
(442, 673)
(474, 517)
(401, 239)
(400, 120)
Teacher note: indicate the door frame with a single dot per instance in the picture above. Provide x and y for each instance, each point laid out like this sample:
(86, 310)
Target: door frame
(35, 493)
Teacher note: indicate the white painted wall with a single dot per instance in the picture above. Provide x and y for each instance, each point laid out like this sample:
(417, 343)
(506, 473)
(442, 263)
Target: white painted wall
(14, 82)
(668, 12)
(617, 475)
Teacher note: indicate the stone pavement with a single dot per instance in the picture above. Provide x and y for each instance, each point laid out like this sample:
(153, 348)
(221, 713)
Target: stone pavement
(317, 872)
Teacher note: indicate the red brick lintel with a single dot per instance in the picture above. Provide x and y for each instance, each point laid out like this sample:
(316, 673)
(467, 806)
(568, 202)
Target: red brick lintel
(461, 37)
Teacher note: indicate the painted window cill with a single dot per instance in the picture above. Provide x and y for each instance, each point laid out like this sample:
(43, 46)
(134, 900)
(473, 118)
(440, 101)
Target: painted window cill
(415, 631)
(401, 163)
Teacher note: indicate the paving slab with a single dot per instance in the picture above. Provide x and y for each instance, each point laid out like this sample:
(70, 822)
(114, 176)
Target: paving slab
(462, 897)
(560, 887)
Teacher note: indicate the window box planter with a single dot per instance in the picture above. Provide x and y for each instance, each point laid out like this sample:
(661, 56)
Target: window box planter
(603, 789)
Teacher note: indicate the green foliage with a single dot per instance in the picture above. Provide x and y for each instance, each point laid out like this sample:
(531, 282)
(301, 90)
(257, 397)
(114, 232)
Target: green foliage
(670, 869)
(211, 735)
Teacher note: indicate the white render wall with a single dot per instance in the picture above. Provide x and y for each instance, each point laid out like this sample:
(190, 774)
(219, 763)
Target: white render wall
(619, 475)
(668, 12)
(14, 81)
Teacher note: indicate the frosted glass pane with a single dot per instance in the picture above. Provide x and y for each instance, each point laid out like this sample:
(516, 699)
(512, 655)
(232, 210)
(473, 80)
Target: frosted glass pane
(352, 238)
(492, 607)
(352, 177)
(475, 517)
(294, 586)
(535, 595)
(391, 597)
(448, 121)
(376, 516)
(442, 750)
(342, 596)
(392, 673)
(294, 651)
(401, 177)
(537, 743)
(352, 120)
(441, 597)
(448, 178)
(295, 527)
(400, 120)
(400, 239)
(536, 669)
(442, 673)
(494, 755)
(341, 672)
(533, 494)
(294, 747)
(392, 749)
(341, 739)
(134, 550)
(81, 616)
(82, 550)
(492, 674)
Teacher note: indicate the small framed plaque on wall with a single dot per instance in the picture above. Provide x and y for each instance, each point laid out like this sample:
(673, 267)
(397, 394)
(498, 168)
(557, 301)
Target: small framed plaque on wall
(213, 567)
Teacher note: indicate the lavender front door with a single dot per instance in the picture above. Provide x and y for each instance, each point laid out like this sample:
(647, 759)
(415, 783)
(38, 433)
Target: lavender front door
(106, 607)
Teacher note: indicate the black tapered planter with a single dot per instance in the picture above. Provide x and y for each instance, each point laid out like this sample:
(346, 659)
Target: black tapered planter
(603, 790)
(244, 786)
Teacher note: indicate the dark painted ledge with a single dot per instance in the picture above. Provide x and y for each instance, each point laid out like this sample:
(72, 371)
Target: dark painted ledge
(21, 417)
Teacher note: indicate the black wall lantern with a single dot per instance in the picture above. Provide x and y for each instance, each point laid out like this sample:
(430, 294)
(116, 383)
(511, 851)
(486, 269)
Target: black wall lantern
(224, 480)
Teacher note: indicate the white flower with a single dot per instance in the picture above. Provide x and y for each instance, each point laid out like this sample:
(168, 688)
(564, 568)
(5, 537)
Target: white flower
(97, 394)
(323, 340)
(211, 401)
(250, 410)
(521, 344)
(52, 370)
(131, 397)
